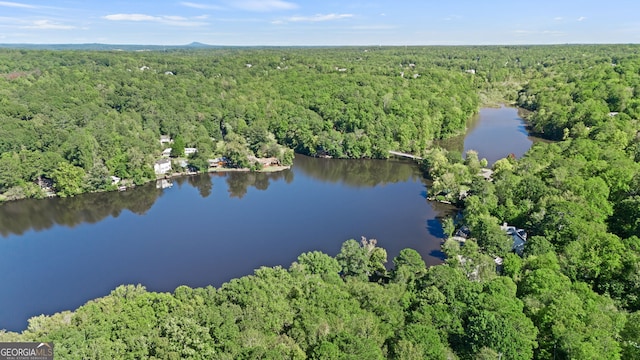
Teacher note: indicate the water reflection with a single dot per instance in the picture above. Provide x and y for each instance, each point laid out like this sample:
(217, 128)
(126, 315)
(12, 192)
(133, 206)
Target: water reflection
(494, 133)
(358, 173)
(19, 217)
(239, 182)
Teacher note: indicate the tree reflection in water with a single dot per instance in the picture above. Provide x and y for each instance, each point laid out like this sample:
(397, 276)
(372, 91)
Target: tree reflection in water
(24, 215)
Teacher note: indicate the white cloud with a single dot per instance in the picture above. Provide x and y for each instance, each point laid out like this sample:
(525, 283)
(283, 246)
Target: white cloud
(262, 5)
(175, 18)
(558, 18)
(582, 18)
(17, 5)
(132, 17)
(169, 20)
(201, 6)
(319, 17)
(47, 25)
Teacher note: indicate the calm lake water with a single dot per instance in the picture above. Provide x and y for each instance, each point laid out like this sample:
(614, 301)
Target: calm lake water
(494, 133)
(56, 254)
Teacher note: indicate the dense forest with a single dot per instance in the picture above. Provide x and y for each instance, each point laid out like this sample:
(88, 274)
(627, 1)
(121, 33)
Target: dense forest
(76, 118)
(571, 294)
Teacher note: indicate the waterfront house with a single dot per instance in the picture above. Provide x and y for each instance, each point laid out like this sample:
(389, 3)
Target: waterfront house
(519, 237)
(162, 166)
(166, 152)
(487, 174)
(271, 161)
(217, 162)
(190, 151)
(461, 235)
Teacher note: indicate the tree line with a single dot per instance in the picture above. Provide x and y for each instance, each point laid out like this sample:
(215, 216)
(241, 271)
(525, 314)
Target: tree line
(75, 118)
(351, 307)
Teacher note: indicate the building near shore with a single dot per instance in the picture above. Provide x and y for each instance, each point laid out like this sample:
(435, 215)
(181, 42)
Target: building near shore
(162, 166)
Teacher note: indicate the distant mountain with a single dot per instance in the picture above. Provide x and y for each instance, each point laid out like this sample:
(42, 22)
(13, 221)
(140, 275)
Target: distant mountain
(107, 47)
(199, 45)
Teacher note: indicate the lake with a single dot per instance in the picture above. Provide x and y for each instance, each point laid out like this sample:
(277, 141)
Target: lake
(56, 254)
(495, 133)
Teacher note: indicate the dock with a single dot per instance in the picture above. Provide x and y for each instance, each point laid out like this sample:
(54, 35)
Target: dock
(401, 154)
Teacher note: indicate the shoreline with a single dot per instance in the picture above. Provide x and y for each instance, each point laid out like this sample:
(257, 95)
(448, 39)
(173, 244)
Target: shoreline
(121, 188)
(267, 169)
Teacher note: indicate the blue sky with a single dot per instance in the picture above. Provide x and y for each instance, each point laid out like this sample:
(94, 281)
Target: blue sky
(320, 22)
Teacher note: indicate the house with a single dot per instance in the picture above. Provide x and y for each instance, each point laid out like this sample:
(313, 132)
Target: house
(461, 234)
(519, 237)
(162, 167)
(470, 71)
(271, 161)
(166, 152)
(165, 139)
(168, 73)
(217, 162)
(115, 180)
(46, 185)
(487, 174)
(190, 151)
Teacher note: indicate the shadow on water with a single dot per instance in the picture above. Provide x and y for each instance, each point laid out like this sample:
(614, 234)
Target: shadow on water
(435, 228)
(439, 254)
(522, 129)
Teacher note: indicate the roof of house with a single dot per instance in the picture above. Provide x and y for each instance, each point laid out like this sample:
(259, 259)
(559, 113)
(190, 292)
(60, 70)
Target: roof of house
(163, 161)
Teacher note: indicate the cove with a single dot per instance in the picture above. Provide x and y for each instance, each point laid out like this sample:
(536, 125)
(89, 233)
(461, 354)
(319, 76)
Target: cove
(495, 133)
(56, 254)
